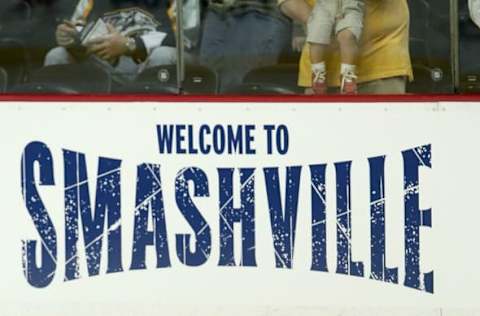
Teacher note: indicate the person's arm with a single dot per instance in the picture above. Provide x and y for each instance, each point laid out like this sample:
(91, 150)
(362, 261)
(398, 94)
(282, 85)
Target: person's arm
(66, 34)
(109, 47)
(298, 10)
(166, 26)
(163, 36)
(474, 7)
(118, 45)
(298, 36)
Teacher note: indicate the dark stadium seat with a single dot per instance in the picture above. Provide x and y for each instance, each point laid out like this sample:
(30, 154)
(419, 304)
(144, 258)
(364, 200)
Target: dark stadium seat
(3, 80)
(14, 60)
(14, 11)
(23, 9)
(283, 75)
(427, 80)
(430, 46)
(260, 89)
(80, 78)
(34, 22)
(469, 48)
(198, 79)
(146, 88)
(42, 88)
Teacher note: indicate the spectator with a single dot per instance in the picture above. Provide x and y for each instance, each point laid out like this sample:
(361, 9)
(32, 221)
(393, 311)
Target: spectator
(124, 53)
(240, 35)
(384, 61)
(474, 7)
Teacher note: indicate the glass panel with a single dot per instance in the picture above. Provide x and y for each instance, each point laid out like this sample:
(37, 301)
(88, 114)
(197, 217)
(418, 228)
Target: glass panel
(87, 46)
(469, 34)
(253, 47)
(430, 47)
(234, 47)
(245, 46)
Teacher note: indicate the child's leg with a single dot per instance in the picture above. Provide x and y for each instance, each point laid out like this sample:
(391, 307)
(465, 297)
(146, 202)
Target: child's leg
(319, 70)
(318, 56)
(349, 55)
(318, 53)
(320, 27)
(348, 47)
(348, 30)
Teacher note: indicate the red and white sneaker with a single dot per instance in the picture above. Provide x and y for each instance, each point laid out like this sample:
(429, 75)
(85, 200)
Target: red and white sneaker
(349, 84)
(319, 83)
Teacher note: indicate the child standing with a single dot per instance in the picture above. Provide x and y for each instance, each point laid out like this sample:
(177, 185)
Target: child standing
(343, 18)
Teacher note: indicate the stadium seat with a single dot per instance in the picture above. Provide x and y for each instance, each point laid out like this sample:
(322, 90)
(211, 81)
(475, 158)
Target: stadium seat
(260, 89)
(146, 88)
(469, 36)
(23, 9)
(3, 80)
(285, 76)
(42, 88)
(74, 78)
(14, 60)
(198, 80)
(427, 80)
(430, 46)
(14, 11)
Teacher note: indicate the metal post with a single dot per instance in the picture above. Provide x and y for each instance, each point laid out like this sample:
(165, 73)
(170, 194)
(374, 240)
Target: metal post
(180, 46)
(454, 43)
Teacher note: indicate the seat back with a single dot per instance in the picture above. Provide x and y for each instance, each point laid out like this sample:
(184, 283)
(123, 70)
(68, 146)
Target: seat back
(284, 76)
(198, 79)
(82, 78)
(260, 89)
(427, 80)
(469, 46)
(146, 88)
(3, 80)
(430, 46)
(14, 11)
(41, 88)
(14, 60)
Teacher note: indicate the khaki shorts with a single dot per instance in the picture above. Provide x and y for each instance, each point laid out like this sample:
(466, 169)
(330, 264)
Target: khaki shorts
(332, 16)
(392, 85)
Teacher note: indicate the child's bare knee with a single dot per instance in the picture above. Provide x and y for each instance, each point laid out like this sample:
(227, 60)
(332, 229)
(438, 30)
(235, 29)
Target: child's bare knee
(346, 36)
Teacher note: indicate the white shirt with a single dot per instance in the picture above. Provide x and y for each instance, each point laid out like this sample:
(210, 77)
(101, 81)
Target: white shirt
(474, 7)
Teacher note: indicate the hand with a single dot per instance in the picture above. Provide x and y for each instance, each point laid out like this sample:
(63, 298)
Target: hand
(298, 42)
(109, 47)
(66, 34)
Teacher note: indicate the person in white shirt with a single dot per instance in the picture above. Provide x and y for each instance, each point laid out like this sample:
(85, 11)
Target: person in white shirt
(474, 8)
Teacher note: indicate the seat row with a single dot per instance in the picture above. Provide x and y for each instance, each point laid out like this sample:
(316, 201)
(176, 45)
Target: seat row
(199, 80)
(88, 78)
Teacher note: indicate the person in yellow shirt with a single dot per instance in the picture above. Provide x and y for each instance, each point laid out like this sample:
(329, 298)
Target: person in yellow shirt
(384, 62)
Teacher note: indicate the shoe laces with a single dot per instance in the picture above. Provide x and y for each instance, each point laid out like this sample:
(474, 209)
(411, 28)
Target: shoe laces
(319, 76)
(348, 77)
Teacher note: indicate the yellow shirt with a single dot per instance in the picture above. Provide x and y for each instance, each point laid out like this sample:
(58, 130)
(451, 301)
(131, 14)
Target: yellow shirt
(384, 45)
